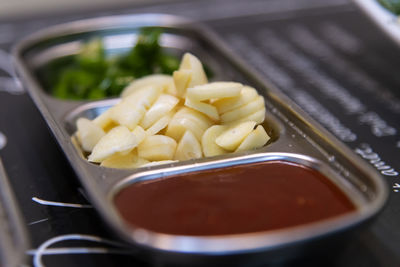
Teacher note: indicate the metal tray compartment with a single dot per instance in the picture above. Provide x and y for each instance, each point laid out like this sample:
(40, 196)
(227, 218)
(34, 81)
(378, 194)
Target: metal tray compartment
(295, 137)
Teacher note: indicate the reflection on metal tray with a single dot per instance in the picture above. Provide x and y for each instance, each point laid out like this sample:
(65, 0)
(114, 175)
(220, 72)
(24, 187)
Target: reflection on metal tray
(14, 240)
(386, 20)
(296, 137)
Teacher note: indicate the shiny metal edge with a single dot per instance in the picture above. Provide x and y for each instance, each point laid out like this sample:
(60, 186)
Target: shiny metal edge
(14, 241)
(388, 22)
(102, 24)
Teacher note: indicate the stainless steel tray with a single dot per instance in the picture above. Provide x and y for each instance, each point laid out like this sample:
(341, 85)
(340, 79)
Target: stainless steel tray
(296, 138)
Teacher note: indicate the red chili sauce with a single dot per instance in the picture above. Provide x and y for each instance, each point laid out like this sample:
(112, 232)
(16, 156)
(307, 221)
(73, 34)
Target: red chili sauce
(239, 199)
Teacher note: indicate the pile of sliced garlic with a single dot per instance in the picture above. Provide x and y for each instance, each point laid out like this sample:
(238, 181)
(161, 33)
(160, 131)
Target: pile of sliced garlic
(163, 118)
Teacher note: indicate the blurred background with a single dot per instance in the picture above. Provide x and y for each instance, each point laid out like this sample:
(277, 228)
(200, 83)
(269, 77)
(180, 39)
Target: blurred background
(34, 8)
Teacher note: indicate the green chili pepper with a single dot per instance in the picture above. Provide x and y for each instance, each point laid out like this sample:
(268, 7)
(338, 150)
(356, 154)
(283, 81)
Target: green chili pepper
(92, 75)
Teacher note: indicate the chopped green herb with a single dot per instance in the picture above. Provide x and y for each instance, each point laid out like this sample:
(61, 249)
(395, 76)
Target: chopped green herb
(91, 75)
(392, 5)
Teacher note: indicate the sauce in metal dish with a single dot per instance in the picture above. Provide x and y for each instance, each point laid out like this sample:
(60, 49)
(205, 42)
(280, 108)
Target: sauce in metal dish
(239, 199)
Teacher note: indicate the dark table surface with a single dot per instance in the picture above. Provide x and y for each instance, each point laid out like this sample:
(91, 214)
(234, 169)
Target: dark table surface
(325, 55)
